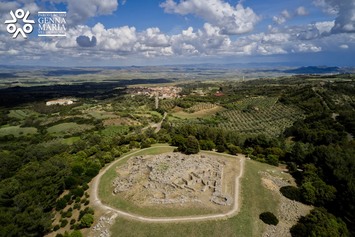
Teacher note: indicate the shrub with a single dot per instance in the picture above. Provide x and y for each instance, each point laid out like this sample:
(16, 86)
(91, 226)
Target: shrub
(77, 206)
(61, 204)
(56, 227)
(220, 148)
(86, 221)
(76, 233)
(269, 218)
(77, 192)
(63, 223)
(291, 192)
(85, 186)
(72, 221)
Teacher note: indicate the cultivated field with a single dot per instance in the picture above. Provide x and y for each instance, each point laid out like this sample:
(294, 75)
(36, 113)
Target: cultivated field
(17, 130)
(198, 111)
(259, 116)
(68, 128)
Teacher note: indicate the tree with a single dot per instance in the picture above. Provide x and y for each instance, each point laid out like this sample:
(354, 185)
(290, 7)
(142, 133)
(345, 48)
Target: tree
(76, 233)
(207, 145)
(233, 149)
(308, 192)
(319, 223)
(272, 160)
(269, 218)
(192, 145)
(86, 221)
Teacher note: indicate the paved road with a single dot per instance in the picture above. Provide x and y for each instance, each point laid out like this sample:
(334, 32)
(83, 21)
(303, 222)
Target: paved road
(94, 199)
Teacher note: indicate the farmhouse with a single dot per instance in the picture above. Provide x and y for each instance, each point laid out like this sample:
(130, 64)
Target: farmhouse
(60, 102)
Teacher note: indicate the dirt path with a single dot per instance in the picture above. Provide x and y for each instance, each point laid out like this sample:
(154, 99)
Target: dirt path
(94, 199)
(157, 126)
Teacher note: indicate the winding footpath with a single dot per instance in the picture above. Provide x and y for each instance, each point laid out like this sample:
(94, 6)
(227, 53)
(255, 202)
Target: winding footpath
(94, 198)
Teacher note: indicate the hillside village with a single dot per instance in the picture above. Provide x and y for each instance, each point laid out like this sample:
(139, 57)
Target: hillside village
(163, 92)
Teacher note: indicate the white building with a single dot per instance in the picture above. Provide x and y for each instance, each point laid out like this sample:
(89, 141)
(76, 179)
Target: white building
(59, 102)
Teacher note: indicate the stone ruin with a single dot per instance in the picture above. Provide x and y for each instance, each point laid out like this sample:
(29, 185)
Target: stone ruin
(172, 178)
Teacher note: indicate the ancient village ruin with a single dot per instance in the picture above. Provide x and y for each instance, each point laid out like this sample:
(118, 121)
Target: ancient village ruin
(173, 178)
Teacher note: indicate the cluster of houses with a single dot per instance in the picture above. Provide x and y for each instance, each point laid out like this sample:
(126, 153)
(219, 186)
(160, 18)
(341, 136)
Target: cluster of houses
(162, 92)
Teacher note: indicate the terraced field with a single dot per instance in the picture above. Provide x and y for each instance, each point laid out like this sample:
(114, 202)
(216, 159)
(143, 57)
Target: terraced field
(270, 120)
(259, 102)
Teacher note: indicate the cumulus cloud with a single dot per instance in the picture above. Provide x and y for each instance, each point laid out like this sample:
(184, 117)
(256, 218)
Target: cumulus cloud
(345, 11)
(84, 41)
(303, 47)
(285, 15)
(80, 10)
(231, 20)
(282, 17)
(211, 40)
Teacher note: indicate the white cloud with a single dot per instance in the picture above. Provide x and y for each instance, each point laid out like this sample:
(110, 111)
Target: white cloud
(301, 11)
(231, 20)
(345, 11)
(344, 46)
(332, 10)
(324, 27)
(154, 38)
(286, 15)
(303, 47)
(80, 10)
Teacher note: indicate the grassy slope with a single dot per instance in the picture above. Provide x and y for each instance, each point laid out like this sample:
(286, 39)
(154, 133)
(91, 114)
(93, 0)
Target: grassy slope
(255, 200)
(17, 130)
(199, 114)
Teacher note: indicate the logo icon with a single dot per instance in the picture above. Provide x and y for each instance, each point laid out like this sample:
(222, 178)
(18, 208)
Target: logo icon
(27, 28)
(52, 23)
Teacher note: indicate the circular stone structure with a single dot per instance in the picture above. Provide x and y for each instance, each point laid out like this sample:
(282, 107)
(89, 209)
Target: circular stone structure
(175, 180)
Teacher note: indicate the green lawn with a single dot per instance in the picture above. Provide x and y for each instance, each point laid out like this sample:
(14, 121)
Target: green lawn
(255, 200)
(17, 131)
(114, 130)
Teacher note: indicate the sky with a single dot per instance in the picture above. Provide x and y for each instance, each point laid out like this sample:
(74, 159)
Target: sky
(167, 32)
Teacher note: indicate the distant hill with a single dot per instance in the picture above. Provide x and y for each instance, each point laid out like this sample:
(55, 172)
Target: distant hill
(313, 70)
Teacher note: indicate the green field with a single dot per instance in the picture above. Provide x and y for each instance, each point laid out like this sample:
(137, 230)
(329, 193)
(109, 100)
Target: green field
(68, 128)
(255, 200)
(203, 113)
(19, 114)
(111, 131)
(70, 140)
(17, 131)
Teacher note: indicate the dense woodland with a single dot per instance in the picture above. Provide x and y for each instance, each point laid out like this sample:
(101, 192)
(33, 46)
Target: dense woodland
(35, 169)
